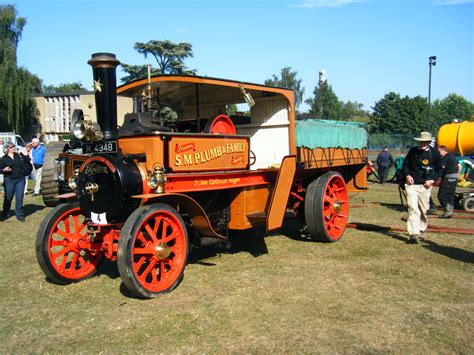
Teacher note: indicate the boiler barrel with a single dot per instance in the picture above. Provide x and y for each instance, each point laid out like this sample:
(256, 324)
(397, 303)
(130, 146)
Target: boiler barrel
(457, 137)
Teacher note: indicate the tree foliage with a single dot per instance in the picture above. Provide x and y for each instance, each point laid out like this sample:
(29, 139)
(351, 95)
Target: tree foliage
(394, 114)
(354, 111)
(288, 80)
(16, 84)
(325, 104)
(450, 108)
(64, 88)
(169, 56)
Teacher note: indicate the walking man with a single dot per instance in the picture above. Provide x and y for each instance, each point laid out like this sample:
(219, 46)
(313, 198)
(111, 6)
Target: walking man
(449, 179)
(384, 162)
(421, 167)
(38, 153)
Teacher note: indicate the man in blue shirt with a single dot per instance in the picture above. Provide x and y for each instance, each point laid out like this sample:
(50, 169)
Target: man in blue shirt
(38, 153)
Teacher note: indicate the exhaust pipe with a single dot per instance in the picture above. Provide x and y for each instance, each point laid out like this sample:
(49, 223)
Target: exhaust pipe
(105, 86)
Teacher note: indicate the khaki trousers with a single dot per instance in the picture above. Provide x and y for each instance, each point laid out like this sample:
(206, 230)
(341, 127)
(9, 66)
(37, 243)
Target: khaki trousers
(38, 175)
(418, 198)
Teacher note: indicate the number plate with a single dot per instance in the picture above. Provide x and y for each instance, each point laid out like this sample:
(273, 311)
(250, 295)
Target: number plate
(100, 147)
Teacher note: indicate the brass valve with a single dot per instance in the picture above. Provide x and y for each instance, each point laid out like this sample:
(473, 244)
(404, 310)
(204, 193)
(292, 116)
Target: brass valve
(91, 188)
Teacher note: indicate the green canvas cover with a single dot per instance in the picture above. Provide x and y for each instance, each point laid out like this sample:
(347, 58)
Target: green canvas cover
(316, 133)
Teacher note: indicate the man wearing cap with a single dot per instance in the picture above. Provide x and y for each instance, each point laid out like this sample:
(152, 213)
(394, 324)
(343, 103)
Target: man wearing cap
(421, 167)
(38, 153)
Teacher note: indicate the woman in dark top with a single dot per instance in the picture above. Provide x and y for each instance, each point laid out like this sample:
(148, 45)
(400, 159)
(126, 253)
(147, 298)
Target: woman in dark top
(11, 166)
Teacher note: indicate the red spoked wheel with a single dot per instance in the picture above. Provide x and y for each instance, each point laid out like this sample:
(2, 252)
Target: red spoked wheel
(63, 249)
(327, 207)
(152, 250)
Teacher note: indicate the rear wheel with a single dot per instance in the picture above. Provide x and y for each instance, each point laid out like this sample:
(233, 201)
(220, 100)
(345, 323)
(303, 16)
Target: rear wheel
(152, 250)
(327, 207)
(63, 249)
(49, 187)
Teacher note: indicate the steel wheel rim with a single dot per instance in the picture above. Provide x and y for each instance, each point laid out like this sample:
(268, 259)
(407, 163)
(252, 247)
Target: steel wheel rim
(66, 247)
(335, 207)
(159, 251)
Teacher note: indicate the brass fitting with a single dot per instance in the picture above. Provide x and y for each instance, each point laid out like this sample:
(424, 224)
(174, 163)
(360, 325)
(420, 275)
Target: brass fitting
(157, 179)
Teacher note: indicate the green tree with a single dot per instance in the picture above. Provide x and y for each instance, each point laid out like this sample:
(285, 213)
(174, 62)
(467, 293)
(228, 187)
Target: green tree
(354, 111)
(288, 80)
(325, 104)
(169, 56)
(16, 84)
(64, 88)
(394, 114)
(451, 107)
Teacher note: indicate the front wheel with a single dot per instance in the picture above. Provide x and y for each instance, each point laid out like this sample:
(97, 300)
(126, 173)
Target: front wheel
(327, 207)
(63, 249)
(152, 250)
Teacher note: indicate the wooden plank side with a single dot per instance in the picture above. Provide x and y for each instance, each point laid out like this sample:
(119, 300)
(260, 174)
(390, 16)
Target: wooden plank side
(279, 200)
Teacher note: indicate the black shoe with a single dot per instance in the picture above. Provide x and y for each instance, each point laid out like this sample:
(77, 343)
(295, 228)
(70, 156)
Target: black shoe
(35, 195)
(413, 239)
(21, 219)
(3, 217)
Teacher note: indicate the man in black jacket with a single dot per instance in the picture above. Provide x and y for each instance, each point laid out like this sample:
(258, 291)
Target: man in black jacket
(422, 167)
(384, 162)
(449, 180)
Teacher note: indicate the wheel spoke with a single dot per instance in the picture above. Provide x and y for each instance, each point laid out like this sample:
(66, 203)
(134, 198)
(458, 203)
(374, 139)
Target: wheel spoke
(67, 225)
(162, 271)
(138, 265)
(63, 263)
(74, 261)
(164, 227)
(62, 252)
(328, 211)
(63, 234)
(149, 269)
(56, 243)
(143, 251)
(83, 262)
(141, 238)
(151, 233)
(154, 277)
(328, 199)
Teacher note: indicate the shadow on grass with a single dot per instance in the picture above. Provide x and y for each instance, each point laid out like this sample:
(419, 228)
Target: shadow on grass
(109, 268)
(380, 229)
(394, 206)
(250, 241)
(30, 209)
(450, 252)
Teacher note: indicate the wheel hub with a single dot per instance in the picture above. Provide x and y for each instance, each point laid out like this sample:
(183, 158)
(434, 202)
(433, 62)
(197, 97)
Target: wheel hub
(337, 206)
(163, 251)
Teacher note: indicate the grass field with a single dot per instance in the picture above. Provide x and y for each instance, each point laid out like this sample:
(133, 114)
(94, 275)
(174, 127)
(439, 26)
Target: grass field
(370, 292)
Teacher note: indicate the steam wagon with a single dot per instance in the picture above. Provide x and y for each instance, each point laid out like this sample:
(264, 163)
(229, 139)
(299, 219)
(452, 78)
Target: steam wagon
(179, 169)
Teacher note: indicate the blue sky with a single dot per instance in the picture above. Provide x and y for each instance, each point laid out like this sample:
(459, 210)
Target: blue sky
(367, 47)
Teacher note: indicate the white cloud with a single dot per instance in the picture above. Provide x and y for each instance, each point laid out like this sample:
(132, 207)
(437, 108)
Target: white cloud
(311, 4)
(453, 2)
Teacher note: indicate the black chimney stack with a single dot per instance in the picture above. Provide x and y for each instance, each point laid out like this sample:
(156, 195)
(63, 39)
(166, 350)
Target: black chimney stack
(105, 86)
